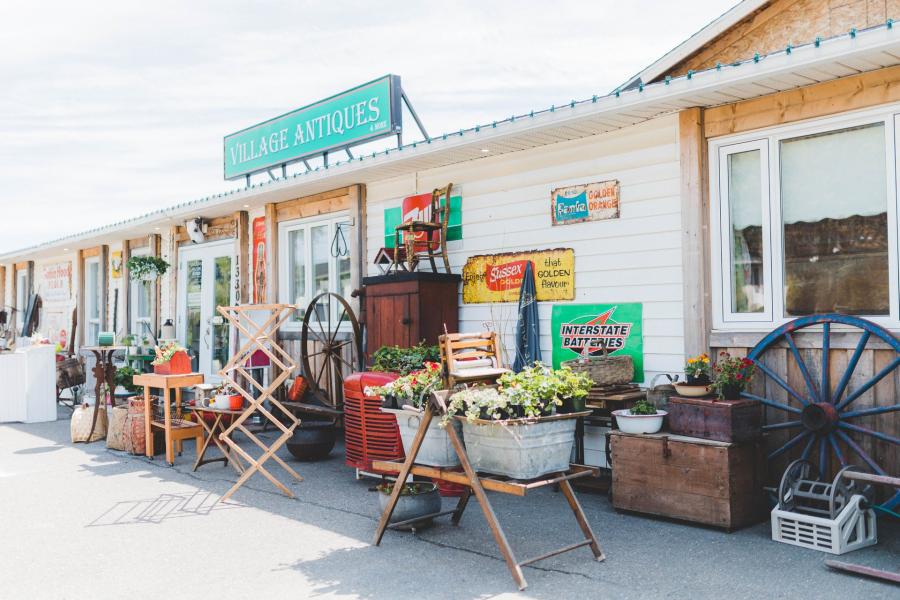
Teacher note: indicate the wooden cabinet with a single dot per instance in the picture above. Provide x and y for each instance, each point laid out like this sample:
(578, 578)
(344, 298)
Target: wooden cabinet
(703, 481)
(405, 308)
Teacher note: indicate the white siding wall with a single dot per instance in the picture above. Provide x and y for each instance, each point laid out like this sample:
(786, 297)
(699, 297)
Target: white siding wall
(506, 207)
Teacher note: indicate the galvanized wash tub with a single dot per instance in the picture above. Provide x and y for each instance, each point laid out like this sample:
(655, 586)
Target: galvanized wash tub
(436, 450)
(521, 449)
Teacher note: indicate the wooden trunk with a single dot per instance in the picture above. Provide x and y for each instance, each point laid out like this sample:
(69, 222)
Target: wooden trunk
(713, 419)
(405, 308)
(702, 481)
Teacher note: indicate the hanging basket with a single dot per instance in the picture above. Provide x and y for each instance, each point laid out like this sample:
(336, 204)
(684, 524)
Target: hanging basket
(606, 369)
(179, 364)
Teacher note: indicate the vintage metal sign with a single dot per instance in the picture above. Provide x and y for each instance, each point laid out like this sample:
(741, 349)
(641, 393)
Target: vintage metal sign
(418, 207)
(498, 277)
(364, 113)
(56, 283)
(259, 260)
(584, 330)
(587, 202)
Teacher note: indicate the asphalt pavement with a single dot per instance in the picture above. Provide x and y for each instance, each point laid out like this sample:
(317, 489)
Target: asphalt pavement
(83, 522)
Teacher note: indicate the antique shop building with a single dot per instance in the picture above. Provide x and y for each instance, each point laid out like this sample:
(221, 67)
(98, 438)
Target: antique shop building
(753, 172)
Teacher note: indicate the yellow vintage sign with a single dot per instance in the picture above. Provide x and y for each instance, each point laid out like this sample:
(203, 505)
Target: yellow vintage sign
(498, 277)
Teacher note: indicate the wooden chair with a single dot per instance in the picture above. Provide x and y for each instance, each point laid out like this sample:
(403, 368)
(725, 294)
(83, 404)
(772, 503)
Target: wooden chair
(471, 358)
(429, 248)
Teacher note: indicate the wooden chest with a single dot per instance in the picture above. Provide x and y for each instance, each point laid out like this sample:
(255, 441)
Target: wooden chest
(713, 419)
(702, 481)
(405, 308)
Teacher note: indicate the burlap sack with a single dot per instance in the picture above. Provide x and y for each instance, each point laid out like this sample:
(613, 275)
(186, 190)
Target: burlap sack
(81, 424)
(134, 434)
(115, 436)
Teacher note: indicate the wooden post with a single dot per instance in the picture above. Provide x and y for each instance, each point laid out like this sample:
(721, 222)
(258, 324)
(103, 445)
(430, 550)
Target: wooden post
(695, 257)
(79, 297)
(172, 274)
(156, 293)
(3, 303)
(271, 253)
(126, 287)
(242, 252)
(358, 255)
(104, 288)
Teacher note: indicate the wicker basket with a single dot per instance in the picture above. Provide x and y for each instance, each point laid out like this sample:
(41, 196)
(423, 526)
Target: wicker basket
(605, 370)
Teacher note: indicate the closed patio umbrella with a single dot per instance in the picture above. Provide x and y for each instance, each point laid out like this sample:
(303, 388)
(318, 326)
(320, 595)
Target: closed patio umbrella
(528, 338)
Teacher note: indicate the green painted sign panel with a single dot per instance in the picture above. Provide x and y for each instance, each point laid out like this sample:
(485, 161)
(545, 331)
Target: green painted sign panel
(394, 216)
(365, 113)
(580, 330)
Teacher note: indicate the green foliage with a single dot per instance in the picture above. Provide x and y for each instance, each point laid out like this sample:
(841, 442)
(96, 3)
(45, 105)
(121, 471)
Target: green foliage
(394, 359)
(414, 388)
(409, 489)
(732, 371)
(643, 407)
(141, 266)
(124, 377)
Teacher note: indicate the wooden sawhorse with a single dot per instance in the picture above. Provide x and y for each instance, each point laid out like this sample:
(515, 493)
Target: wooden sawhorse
(477, 484)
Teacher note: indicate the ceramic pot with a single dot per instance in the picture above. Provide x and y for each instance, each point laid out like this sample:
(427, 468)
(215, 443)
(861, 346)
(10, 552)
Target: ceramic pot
(312, 440)
(629, 423)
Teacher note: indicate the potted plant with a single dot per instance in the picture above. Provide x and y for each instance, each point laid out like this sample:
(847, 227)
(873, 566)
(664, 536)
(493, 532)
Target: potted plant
(731, 376)
(128, 342)
(171, 359)
(225, 397)
(643, 417)
(146, 268)
(697, 382)
(394, 359)
(573, 387)
(417, 500)
(125, 377)
(405, 397)
(146, 345)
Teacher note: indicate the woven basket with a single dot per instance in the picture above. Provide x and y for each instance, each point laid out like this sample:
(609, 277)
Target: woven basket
(605, 370)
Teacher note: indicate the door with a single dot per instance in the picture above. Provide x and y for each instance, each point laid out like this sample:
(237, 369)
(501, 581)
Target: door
(205, 282)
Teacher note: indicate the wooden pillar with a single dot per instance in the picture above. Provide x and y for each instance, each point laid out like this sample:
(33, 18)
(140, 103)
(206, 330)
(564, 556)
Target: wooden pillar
(126, 287)
(155, 242)
(271, 254)
(358, 255)
(242, 252)
(2, 287)
(695, 254)
(105, 307)
(79, 298)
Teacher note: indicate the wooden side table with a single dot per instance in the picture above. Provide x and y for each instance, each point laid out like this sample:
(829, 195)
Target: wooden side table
(105, 374)
(212, 435)
(176, 429)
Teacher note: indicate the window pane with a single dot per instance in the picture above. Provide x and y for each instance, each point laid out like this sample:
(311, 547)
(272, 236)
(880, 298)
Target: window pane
(321, 256)
(194, 291)
(745, 212)
(834, 208)
(93, 290)
(297, 269)
(222, 298)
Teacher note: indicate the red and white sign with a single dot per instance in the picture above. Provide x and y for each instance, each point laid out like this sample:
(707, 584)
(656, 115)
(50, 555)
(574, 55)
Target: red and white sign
(259, 260)
(418, 208)
(56, 285)
(505, 276)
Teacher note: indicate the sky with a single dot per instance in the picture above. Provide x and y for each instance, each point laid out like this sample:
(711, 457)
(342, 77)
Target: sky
(111, 109)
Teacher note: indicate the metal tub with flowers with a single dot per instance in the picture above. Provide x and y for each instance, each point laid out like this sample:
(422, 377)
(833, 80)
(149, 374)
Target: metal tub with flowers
(524, 427)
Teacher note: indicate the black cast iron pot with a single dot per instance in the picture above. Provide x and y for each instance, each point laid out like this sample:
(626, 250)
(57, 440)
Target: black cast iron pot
(312, 440)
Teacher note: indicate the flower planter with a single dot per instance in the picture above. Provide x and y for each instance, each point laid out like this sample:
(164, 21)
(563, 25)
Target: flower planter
(520, 449)
(180, 364)
(571, 405)
(436, 449)
(629, 423)
(412, 506)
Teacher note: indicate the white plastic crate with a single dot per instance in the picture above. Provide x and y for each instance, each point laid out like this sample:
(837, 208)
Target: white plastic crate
(854, 528)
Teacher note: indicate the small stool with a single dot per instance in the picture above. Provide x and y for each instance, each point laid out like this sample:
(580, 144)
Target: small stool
(177, 430)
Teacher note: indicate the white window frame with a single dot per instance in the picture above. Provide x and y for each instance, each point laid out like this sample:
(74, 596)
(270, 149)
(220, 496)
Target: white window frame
(92, 298)
(134, 319)
(773, 259)
(284, 248)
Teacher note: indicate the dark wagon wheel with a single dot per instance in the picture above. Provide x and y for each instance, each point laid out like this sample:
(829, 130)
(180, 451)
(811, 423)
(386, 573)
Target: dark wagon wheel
(825, 416)
(331, 346)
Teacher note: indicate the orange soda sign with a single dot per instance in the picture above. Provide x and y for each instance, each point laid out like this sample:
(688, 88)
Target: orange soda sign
(587, 202)
(498, 277)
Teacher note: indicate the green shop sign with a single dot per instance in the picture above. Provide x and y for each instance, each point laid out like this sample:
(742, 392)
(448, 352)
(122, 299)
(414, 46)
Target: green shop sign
(362, 114)
(581, 330)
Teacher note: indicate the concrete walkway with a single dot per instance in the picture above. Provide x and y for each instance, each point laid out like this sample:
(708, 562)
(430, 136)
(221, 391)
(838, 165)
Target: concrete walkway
(83, 522)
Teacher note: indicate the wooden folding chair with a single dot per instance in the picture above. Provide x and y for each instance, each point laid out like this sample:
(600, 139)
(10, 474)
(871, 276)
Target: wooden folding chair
(471, 358)
(418, 249)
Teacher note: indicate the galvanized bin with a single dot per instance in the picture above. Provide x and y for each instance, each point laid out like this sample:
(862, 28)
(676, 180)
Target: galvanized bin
(436, 450)
(519, 449)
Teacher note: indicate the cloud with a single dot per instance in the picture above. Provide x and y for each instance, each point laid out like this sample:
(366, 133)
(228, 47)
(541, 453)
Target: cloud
(113, 109)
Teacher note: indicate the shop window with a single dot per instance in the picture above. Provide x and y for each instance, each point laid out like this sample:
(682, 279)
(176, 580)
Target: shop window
(804, 221)
(311, 262)
(141, 303)
(92, 283)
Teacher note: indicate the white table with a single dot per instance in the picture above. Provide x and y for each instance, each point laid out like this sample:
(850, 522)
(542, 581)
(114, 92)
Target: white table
(28, 385)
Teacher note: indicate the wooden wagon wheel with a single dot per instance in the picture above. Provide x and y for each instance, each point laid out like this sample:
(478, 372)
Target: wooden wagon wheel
(825, 416)
(336, 351)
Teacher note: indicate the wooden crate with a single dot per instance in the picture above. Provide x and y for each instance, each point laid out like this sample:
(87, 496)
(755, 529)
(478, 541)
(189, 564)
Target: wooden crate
(702, 481)
(713, 419)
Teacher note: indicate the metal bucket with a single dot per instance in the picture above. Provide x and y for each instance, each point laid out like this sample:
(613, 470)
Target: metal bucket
(411, 507)
(436, 449)
(521, 450)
